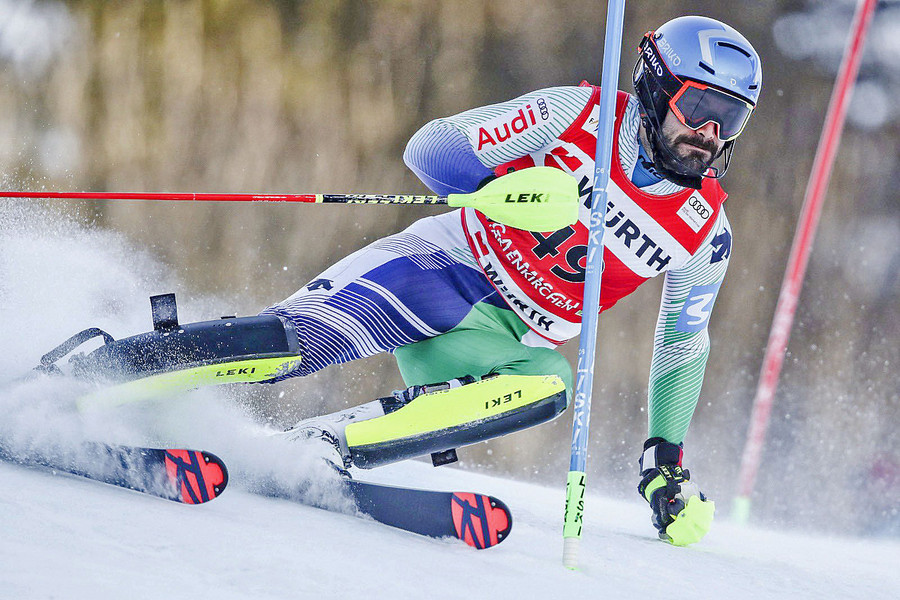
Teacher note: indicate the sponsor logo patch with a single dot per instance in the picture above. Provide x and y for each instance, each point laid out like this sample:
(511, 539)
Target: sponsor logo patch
(721, 244)
(695, 212)
(525, 310)
(697, 308)
(505, 127)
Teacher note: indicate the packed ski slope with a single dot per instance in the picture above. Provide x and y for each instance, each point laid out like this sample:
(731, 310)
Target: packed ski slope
(63, 537)
(68, 538)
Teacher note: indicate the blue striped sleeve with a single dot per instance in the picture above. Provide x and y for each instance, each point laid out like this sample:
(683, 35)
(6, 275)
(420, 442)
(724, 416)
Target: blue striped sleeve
(455, 154)
(441, 156)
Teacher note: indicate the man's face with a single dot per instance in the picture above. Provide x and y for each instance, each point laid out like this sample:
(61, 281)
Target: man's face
(697, 149)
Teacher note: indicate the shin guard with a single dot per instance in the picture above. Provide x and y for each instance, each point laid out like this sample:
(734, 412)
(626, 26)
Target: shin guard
(438, 421)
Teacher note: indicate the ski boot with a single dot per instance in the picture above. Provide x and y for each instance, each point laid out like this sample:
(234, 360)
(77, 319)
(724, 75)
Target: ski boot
(437, 418)
(331, 428)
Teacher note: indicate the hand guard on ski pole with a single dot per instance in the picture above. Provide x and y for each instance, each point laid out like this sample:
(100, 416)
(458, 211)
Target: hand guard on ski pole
(681, 513)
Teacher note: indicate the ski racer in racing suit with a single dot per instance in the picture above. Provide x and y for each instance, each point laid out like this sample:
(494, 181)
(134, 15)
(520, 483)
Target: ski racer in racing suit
(472, 309)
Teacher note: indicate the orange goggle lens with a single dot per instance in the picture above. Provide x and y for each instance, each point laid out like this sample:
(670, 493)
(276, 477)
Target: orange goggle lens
(697, 104)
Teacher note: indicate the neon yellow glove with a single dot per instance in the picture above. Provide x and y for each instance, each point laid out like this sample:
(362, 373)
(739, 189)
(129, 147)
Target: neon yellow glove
(681, 513)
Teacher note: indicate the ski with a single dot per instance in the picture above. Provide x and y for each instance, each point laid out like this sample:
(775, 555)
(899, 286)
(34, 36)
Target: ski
(177, 474)
(478, 520)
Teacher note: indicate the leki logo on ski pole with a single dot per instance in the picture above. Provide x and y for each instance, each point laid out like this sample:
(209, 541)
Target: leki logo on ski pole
(525, 198)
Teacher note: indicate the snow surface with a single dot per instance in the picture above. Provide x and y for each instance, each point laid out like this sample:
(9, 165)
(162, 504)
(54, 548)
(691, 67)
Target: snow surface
(64, 537)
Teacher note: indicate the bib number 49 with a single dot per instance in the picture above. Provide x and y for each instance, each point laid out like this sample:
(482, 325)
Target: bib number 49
(549, 245)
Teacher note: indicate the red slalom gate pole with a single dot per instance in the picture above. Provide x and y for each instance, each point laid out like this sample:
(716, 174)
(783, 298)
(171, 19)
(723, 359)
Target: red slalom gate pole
(799, 258)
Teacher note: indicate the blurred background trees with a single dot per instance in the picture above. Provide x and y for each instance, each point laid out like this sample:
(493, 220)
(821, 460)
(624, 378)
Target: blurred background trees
(321, 96)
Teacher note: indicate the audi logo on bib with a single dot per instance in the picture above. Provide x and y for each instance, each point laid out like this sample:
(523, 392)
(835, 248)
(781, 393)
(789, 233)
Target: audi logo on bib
(695, 212)
(702, 210)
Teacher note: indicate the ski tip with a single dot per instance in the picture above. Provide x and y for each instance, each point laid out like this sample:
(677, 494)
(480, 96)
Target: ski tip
(198, 476)
(480, 521)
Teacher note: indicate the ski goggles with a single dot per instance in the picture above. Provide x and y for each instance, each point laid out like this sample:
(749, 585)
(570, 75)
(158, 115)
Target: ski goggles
(695, 104)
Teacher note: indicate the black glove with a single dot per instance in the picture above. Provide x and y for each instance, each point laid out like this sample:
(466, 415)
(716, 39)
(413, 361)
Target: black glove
(486, 181)
(492, 177)
(673, 497)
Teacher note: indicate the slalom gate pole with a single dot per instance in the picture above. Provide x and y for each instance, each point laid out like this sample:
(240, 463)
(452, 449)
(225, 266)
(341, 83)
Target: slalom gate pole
(575, 483)
(799, 258)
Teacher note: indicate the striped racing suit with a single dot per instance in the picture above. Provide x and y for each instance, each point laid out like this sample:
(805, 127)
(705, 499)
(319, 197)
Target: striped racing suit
(459, 294)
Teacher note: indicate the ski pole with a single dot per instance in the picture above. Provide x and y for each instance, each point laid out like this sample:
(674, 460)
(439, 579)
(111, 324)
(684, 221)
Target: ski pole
(575, 483)
(535, 199)
(799, 257)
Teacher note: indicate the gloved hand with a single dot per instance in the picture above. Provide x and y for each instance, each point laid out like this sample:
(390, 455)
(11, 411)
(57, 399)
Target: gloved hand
(681, 513)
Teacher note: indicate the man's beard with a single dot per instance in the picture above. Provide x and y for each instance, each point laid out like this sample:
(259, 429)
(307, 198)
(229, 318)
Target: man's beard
(694, 158)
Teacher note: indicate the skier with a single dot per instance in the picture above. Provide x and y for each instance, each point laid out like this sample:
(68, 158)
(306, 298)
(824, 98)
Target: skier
(472, 309)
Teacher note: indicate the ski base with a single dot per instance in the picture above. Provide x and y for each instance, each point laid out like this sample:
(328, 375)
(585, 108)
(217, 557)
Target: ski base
(177, 474)
(479, 520)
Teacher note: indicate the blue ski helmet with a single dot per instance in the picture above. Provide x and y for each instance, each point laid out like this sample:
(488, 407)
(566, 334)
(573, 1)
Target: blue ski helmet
(703, 71)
